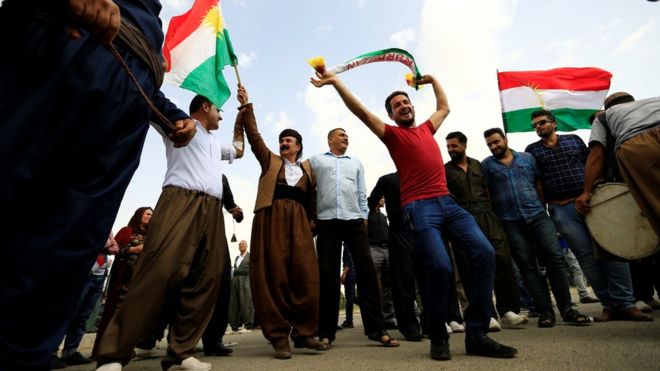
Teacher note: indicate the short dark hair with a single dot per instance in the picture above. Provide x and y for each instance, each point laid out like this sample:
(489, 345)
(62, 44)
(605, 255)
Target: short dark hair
(333, 131)
(543, 112)
(457, 135)
(388, 106)
(492, 131)
(197, 102)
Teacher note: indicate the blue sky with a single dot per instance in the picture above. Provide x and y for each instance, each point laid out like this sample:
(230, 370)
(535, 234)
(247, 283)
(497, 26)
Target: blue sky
(460, 43)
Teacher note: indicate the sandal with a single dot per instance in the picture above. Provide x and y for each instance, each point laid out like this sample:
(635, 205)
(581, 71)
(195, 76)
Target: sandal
(546, 319)
(574, 317)
(385, 340)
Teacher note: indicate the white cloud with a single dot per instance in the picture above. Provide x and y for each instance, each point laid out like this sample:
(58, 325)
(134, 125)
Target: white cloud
(278, 121)
(637, 38)
(324, 29)
(240, 2)
(245, 59)
(403, 38)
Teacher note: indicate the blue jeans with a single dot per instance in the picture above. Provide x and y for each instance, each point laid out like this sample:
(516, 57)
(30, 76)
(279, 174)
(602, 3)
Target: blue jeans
(428, 219)
(76, 330)
(537, 236)
(610, 279)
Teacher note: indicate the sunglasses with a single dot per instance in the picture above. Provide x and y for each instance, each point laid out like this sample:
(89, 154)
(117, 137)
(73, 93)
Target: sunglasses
(541, 123)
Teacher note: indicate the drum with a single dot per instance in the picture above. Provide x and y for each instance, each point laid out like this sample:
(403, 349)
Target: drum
(617, 224)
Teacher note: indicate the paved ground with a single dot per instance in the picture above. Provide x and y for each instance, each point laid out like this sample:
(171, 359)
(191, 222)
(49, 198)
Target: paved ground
(600, 346)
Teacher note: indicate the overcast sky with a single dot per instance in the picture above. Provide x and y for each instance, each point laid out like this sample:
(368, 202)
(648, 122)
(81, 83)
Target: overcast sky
(462, 43)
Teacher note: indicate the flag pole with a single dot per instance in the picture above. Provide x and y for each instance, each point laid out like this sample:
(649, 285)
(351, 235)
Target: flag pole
(238, 76)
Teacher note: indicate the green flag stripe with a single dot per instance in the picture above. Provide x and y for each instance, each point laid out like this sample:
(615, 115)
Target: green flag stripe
(201, 81)
(567, 119)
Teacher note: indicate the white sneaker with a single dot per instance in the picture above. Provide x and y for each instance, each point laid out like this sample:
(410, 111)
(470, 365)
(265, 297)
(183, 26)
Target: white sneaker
(191, 364)
(456, 327)
(643, 307)
(449, 330)
(150, 353)
(243, 330)
(115, 366)
(230, 332)
(510, 319)
(494, 326)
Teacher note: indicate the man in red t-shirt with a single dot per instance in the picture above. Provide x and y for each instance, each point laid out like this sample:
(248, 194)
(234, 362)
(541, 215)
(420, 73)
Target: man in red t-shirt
(429, 210)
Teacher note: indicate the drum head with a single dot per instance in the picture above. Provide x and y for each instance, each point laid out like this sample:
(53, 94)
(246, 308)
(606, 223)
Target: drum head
(617, 224)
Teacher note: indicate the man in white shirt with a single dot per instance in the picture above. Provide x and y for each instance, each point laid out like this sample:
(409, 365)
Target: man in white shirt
(186, 249)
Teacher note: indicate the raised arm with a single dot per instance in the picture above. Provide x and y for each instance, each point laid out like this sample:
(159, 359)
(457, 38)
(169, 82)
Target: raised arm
(441, 103)
(372, 121)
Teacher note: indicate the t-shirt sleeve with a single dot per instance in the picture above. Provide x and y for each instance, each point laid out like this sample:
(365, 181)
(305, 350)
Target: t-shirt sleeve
(429, 125)
(598, 133)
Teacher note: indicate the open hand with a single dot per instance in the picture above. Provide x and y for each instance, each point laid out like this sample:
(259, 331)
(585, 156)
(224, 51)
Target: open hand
(327, 78)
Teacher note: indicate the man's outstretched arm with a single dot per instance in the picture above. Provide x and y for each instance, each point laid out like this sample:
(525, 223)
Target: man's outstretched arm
(354, 105)
(441, 105)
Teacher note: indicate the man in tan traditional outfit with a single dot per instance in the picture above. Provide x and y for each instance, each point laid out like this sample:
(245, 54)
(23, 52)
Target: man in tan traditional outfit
(284, 274)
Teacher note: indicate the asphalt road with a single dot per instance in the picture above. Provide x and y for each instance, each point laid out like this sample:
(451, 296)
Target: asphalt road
(615, 345)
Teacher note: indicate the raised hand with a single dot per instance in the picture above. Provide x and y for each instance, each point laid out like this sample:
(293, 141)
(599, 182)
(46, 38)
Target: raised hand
(327, 78)
(242, 95)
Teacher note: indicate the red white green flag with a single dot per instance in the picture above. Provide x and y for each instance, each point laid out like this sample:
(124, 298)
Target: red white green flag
(197, 48)
(385, 55)
(571, 94)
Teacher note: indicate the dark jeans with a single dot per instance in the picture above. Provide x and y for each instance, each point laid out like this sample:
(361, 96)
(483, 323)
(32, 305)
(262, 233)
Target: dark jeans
(90, 296)
(539, 237)
(349, 295)
(428, 218)
(381, 259)
(331, 234)
(403, 263)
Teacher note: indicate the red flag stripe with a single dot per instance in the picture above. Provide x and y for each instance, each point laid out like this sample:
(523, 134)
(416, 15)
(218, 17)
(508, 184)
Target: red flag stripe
(576, 79)
(185, 24)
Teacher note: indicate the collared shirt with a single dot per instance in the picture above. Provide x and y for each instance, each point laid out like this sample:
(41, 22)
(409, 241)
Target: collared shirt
(292, 171)
(512, 188)
(562, 166)
(627, 120)
(468, 187)
(197, 166)
(239, 260)
(389, 186)
(341, 190)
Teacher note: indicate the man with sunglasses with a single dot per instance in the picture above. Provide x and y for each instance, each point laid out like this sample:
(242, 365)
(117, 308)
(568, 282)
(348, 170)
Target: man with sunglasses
(561, 160)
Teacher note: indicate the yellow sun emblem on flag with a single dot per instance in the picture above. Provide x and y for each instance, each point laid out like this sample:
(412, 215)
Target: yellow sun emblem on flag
(214, 20)
(535, 90)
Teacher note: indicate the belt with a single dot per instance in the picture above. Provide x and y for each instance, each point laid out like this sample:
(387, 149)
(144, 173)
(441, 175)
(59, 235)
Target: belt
(561, 202)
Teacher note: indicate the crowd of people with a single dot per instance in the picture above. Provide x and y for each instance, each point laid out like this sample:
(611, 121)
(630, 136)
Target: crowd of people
(496, 222)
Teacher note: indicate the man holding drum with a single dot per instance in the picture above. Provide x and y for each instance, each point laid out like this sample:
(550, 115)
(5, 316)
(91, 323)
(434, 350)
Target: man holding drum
(561, 158)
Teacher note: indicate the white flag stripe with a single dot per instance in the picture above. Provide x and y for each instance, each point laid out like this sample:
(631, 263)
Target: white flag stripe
(524, 97)
(191, 53)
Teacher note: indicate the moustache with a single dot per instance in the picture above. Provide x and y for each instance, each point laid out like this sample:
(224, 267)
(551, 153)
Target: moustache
(284, 147)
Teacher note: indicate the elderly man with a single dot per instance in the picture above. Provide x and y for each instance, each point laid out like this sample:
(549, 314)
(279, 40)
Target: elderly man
(284, 274)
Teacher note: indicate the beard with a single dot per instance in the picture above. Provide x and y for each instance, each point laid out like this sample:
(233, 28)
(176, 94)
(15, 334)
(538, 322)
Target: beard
(500, 153)
(456, 157)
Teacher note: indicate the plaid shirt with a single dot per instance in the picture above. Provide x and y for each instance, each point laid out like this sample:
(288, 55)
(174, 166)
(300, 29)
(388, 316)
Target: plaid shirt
(562, 167)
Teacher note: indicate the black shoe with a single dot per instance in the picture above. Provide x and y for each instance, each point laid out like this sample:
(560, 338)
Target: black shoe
(220, 350)
(588, 300)
(76, 359)
(347, 324)
(415, 336)
(56, 363)
(440, 350)
(339, 327)
(488, 347)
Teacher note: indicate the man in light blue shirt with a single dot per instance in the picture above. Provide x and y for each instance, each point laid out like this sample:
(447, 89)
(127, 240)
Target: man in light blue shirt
(342, 210)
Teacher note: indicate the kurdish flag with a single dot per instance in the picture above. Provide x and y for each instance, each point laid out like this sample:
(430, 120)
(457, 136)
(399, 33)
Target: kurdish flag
(197, 48)
(572, 94)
